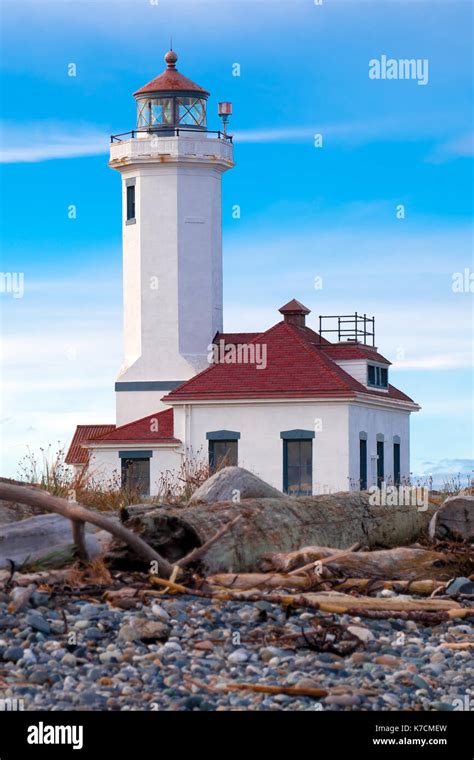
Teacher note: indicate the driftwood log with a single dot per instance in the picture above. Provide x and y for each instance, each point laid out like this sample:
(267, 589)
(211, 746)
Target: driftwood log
(79, 515)
(273, 581)
(401, 563)
(407, 608)
(336, 520)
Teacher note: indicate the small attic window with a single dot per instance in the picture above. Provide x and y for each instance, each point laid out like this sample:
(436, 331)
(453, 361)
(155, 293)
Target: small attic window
(377, 376)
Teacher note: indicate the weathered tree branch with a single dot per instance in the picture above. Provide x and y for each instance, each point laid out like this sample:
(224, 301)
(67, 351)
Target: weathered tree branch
(35, 497)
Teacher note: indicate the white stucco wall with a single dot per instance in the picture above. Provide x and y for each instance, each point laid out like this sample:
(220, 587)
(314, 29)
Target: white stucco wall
(133, 405)
(172, 258)
(260, 448)
(337, 427)
(386, 422)
(105, 464)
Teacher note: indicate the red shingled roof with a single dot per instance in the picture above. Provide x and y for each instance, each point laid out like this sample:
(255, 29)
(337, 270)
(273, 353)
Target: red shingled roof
(294, 307)
(170, 80)
(235, 339)
(296, 368)
(76, 454)
(354, 351)
(155, 428)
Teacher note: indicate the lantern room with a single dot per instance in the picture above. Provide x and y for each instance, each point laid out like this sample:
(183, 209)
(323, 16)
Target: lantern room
(171, 101)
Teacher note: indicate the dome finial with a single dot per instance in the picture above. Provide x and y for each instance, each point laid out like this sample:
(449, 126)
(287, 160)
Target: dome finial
(171, 57)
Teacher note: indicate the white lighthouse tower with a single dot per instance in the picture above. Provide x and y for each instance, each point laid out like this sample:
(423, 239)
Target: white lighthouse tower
(171, 168)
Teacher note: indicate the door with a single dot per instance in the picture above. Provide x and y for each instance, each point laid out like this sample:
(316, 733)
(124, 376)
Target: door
(363, 464)
(298, 467)
(380, 463)
(136, 476)
(396, 464)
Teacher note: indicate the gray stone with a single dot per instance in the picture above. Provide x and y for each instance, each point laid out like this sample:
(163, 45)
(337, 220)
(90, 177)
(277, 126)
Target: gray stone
(454, 520)
(233, 484)
(421, 683)
(13, 654)
(39, 677)
(343, 700)
(142, 629)
(93, 634)
(37, 621)
(160, 613)
(460, 586)
(69, 660)
(29, 657)
(107, 658)
(362, 633)
(240, 655)
(307, 683)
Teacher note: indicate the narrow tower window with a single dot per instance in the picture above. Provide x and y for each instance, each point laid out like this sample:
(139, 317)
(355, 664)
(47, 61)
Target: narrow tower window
(363, 461)
(380, 460)
(130, 203)
(396, 460)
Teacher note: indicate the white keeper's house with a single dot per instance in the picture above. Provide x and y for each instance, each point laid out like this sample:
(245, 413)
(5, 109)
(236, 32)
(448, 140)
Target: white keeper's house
(306, 413)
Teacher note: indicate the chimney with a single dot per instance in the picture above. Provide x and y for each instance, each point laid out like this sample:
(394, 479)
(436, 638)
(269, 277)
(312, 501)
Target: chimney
(294, 313)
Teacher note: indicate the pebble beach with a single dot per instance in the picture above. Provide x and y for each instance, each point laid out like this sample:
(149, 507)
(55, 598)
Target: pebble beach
(182, 653)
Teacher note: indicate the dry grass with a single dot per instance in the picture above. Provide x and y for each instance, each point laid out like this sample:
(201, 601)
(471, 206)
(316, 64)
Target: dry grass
(94, 573)
(177, 486)
(49, 471)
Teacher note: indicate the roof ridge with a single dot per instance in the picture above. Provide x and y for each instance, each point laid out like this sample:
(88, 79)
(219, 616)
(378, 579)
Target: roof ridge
(134, 422)
(213, 365)
(97, 424)
(332, 366)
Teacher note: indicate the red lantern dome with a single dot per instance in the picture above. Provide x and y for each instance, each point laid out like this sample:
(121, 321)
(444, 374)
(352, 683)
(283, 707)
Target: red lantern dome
(171, 100)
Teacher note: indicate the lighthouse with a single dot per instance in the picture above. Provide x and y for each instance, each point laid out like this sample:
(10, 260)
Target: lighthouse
(171, 168)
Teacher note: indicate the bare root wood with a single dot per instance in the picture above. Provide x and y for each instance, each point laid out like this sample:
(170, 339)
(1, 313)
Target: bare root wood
(292, 691)
(328, 602)
(336, 555)
(402, 563)
(369, 585)
(79, 539)
(262, 581)
(458, 645)
(271, 581)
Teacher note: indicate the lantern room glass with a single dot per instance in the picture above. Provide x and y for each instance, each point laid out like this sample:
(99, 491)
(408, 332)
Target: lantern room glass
(181, 111)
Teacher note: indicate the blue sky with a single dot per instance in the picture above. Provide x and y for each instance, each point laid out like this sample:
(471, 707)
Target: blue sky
(305, 211)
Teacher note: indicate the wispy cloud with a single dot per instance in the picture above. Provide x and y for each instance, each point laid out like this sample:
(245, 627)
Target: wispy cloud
(459, 147)
(436, 127)
(46, 142)
(435, 361)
